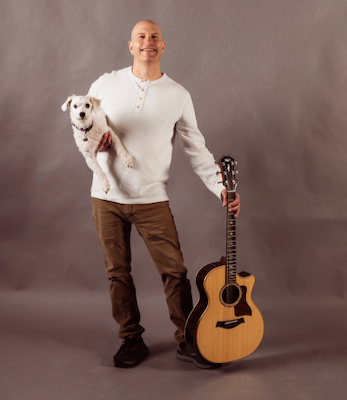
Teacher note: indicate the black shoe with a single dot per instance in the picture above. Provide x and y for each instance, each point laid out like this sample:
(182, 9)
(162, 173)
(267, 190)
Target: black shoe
(130, 353)
(186, 355)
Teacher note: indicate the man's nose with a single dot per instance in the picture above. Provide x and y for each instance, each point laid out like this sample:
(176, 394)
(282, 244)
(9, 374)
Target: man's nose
(148, 40)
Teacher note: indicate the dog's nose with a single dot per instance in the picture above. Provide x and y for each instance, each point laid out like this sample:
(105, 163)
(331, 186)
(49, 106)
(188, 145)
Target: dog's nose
(82, 114)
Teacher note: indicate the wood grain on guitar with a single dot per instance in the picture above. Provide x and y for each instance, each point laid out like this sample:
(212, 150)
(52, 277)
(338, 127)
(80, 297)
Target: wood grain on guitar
(225, 325)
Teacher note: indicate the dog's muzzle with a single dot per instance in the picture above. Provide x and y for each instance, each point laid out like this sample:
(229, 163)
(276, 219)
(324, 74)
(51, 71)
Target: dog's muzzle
(82, 114)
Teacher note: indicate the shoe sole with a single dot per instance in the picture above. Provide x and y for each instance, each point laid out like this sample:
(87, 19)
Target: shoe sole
(130, 364)
(205, 365)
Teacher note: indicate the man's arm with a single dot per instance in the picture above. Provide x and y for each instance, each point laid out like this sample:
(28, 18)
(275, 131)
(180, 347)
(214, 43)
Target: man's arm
(96, 91)
(202, 161)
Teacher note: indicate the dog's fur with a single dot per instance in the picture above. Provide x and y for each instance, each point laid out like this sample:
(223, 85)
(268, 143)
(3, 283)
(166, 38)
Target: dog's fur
(89, 123)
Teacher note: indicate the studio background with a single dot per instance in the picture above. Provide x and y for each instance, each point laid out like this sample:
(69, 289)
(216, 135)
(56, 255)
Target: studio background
(269, 84)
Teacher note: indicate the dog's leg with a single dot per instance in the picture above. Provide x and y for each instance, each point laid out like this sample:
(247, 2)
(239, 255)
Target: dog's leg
(95, 167)
(121, 151)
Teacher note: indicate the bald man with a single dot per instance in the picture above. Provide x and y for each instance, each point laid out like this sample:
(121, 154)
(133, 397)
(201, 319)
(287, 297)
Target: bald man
(147, 110)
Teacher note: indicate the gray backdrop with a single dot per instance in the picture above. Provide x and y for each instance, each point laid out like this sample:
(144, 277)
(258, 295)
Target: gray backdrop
(268, 80)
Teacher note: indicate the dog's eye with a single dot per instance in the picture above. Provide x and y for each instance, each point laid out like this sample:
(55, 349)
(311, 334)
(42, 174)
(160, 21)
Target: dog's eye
(75, 106)
(87, 105)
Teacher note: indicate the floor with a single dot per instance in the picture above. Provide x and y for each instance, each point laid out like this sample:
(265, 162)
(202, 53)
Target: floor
(60, 346)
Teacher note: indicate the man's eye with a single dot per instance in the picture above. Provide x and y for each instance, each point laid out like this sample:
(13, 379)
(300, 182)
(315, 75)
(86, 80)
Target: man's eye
(75, 106)
(87, 105)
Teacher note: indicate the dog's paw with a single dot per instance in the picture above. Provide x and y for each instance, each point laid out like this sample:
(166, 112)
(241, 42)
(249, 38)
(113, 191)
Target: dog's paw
(128, 161)
(105, 186)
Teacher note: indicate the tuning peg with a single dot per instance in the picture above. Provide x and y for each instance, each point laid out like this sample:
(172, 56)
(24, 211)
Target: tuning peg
(219, 172)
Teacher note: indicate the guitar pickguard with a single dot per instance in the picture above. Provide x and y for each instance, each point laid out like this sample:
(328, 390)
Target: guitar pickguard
(242, 308)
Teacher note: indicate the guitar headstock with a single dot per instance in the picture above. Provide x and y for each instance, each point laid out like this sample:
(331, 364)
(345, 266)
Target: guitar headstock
(227, 166)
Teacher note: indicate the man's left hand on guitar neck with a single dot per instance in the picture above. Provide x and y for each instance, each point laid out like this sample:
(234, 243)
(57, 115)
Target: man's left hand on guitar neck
(233, 206)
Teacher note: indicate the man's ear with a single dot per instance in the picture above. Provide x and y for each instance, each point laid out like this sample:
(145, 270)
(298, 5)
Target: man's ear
(130, 44)
(67, 103)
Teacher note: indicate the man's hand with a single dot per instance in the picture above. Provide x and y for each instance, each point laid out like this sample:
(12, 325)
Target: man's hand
(233, 206)
(105, 141)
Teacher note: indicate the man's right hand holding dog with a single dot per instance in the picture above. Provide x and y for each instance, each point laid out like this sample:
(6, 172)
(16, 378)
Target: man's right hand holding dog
(105, 141)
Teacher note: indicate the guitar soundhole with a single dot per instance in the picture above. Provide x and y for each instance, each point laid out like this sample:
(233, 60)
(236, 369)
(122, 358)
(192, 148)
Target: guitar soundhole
(231, 294)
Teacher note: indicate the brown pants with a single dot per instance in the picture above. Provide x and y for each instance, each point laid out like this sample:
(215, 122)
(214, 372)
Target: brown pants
(155, 224)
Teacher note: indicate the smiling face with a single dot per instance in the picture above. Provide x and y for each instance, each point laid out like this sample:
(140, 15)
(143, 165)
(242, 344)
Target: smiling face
(146, 45)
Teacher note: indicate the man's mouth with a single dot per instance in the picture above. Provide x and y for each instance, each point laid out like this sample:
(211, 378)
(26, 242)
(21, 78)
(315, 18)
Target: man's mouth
(148, 50)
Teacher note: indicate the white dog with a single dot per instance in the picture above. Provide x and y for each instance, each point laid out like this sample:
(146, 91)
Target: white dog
(89, 124)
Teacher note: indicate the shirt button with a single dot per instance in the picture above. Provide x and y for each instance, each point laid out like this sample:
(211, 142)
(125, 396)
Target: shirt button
(138, 106)
(140, 98)
(143, 90)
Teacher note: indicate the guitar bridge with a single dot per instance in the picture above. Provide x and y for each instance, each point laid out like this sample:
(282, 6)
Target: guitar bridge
(230, 324)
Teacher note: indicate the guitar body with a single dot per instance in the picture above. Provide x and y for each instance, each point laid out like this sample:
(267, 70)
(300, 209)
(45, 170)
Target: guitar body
(225, 325)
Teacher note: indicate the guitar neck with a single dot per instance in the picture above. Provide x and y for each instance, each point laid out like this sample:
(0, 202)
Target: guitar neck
(230, 269)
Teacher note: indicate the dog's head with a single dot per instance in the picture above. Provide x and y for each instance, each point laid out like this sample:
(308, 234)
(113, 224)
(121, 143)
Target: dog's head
(81, 108)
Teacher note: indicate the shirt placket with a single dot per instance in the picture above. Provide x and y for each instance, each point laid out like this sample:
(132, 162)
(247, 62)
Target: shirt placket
(141, 97)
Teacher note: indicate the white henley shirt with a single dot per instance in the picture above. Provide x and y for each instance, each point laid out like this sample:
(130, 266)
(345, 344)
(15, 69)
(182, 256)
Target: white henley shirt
(147, 116)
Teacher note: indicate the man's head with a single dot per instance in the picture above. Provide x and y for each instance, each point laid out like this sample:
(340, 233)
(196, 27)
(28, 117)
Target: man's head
(146, 44)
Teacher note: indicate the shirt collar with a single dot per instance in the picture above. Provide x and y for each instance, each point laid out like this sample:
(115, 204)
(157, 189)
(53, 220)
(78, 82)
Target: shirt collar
(141, 82)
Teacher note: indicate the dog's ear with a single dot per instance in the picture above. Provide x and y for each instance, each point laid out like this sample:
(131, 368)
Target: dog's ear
(67, 103)
(96, 103)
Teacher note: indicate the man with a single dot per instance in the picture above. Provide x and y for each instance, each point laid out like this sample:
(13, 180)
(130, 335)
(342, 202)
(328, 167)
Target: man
(147, 110)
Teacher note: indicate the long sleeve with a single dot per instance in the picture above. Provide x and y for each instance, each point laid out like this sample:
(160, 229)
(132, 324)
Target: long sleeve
(193, 144)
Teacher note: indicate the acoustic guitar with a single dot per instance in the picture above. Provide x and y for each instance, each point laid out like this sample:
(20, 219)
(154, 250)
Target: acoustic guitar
(225, 325)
